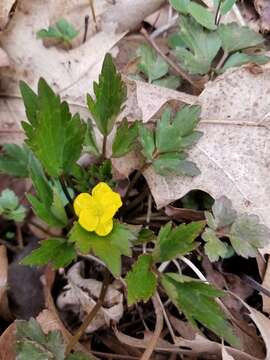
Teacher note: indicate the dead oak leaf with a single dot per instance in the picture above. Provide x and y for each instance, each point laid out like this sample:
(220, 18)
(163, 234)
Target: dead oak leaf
(233, 154)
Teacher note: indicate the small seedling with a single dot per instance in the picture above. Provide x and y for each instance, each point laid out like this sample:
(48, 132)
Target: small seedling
(63, 31)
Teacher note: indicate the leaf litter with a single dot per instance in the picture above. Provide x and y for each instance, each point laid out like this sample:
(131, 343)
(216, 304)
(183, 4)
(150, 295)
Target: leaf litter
(234, 119)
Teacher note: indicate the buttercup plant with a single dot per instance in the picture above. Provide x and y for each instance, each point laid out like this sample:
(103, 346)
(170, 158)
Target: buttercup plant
(84, 201)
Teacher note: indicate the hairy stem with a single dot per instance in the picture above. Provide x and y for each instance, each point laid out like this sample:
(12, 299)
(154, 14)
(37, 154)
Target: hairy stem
(73, 341)
(104, 146)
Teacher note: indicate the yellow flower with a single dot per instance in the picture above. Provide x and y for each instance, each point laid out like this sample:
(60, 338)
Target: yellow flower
(96, 212)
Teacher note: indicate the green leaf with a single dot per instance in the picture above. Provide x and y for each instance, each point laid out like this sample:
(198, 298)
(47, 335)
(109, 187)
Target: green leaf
(197, 301)
(9, 200)
(247, 235)
(151, 64)
(30, 100)
(9, 206)
(57, 251)
(125, 138)
(173, 242)
(202, 15)
(90, 142)
(175, 40)
(145, 236)
(203, 46)
(53, 134)
(178, 134)
(175, 164)
(110, 95)
(147, 140)
(32, 343)
(180, 5)
(226, 5)
(67, 30)
(141, 281)
(62, 30)
(235, 37)
(239, 59)
(108, 248)
(223, 214)
(45, 202)
(58, 207)
(214, 248)
(170, 82)
(15, 160)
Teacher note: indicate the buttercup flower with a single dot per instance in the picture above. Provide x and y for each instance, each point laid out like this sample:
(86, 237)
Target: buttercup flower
(96, 211)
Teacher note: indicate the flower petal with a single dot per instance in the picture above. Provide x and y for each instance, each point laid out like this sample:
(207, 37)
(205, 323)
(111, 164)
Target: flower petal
(104, 229)
(82, 201)
(110, 199)
(108, 214)
(88, 219)
(100, 189)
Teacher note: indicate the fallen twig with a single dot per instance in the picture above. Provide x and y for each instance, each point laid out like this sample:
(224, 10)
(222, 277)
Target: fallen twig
(177, 69)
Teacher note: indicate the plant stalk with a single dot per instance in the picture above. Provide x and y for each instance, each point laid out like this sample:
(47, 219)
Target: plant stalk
(104, 147)
(73, 341)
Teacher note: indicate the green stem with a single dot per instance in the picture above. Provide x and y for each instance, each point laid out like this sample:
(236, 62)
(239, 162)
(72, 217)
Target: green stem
(104, 146)
(73, 341)
(69, 210)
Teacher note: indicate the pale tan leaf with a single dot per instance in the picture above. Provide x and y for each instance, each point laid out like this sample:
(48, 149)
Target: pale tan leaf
(4, 308)
(225, 354)
(233, 154)
(4, 59)
(6, 7)
(80, 294)
(266, 284)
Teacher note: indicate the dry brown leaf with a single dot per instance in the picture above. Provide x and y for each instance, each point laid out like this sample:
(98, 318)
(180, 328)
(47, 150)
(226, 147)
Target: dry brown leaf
(266, 285)
(4, 308)
(80, 295)
(233, 154)
(4, 59)
(7, 343)
(134, 12)
(6, 8)
(225, 354)
(70, 72)
(263, 9)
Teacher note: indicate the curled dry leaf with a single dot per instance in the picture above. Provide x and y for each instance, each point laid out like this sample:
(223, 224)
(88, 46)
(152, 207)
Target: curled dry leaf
(6, 9)
(4, 308)
(225, 354)
(80, 296)
(266, 284)
(263, 9)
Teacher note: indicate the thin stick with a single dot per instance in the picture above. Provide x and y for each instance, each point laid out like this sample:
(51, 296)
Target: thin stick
(91, 2)
(19, 236)
(169, 325)
(222, 60)
(86, 23)
(168, 60)
(158, 328)
(73, 341)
